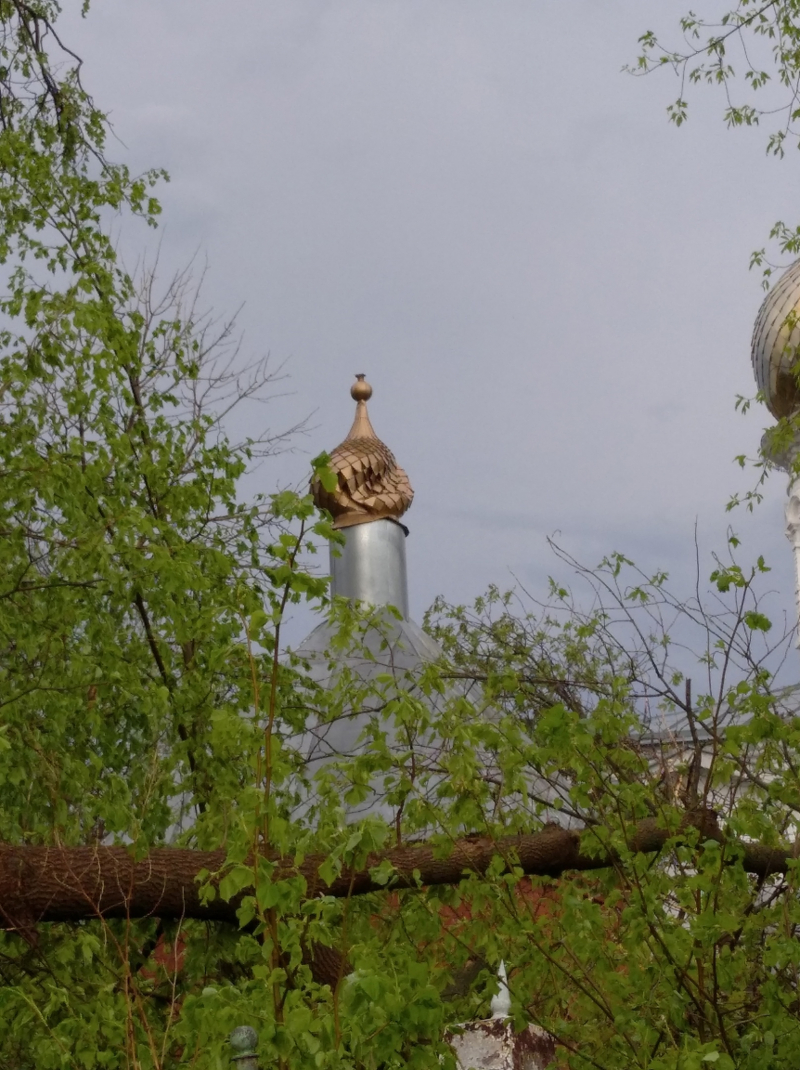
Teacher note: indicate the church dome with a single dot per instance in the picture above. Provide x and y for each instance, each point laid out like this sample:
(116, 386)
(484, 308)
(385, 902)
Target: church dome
(776, 345)
(370, 484)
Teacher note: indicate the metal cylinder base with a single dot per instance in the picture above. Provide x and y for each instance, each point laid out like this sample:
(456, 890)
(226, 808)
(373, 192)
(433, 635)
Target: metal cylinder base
(371, 566)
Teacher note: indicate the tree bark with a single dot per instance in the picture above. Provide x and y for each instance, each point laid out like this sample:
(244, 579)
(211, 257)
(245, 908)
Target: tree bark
(46, 884)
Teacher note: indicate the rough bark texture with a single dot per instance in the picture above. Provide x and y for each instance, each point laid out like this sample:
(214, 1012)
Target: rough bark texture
(40, 884)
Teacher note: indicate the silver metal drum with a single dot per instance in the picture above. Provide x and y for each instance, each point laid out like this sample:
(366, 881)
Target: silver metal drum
(371, 566)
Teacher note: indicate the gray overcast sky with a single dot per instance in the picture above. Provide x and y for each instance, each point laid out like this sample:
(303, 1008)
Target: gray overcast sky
(545, 282)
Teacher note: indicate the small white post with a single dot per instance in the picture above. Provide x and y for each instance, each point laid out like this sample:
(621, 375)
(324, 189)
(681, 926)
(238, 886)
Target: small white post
(493, 1044)
(501, 1000)
(793, 535)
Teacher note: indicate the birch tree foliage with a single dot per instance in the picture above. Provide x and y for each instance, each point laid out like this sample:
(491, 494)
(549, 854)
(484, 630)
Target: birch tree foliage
(130, 567)
(749, 54)
(145, 698)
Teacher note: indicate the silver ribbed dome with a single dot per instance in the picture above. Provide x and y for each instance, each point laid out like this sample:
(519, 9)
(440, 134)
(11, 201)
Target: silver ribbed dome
(776, 344)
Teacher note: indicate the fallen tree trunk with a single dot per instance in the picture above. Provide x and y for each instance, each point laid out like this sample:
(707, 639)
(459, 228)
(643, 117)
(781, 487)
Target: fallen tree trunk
(44, 884)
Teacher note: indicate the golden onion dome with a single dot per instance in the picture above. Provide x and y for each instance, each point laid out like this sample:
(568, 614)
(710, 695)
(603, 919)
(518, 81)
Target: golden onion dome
(370, 484)
(776, 345)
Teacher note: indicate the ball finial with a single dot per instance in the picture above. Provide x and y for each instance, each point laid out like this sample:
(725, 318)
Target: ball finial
(244, 1041)
(360, 390)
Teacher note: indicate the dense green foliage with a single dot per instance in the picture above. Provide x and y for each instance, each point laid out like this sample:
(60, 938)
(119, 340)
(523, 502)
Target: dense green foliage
(144, 697)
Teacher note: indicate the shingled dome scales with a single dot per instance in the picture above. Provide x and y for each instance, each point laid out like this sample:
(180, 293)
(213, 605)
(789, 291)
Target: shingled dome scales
(371, 485)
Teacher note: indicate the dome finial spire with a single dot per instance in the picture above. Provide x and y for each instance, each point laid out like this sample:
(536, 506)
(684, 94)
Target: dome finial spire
(361, 392)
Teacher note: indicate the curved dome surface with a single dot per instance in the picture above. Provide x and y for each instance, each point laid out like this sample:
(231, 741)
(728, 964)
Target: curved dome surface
(370, 484)
(776, 344)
